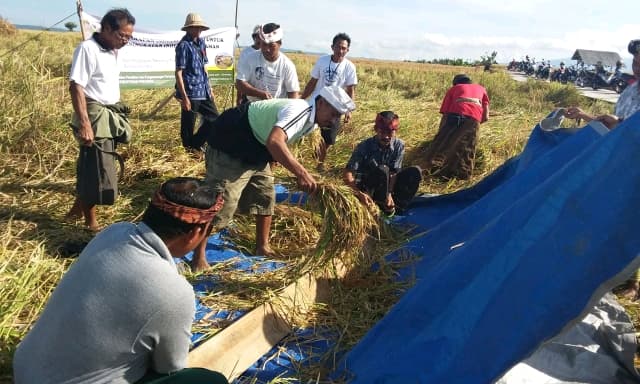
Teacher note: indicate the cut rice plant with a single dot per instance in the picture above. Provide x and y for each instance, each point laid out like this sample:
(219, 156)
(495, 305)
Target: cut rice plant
(346, 224)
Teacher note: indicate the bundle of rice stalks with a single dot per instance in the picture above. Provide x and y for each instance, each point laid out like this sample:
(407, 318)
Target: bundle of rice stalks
(294, 232)
(346, 224)
(6, 28)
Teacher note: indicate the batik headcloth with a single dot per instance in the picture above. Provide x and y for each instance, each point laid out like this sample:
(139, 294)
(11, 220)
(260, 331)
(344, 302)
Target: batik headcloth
(186, 214)
(384, 123)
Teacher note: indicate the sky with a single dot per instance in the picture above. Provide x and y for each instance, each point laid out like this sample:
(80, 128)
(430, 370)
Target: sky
(396, 30)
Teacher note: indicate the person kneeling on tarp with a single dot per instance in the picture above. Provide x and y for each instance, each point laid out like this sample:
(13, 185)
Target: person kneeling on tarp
(122, 313)
(374, 169)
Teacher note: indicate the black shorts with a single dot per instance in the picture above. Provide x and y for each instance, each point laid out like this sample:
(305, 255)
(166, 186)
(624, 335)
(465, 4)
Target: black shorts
(329, 134)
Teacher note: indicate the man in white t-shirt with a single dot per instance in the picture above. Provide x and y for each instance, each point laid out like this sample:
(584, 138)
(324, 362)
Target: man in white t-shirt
(334, 69)
(255, 47)
(268, 73)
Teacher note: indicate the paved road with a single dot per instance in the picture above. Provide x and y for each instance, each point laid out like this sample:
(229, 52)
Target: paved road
(602, 94)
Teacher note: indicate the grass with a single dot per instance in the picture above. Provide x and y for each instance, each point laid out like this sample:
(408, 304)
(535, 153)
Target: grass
(37, 176)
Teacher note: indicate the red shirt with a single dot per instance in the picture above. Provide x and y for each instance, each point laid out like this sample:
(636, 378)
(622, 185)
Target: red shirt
(466, 99)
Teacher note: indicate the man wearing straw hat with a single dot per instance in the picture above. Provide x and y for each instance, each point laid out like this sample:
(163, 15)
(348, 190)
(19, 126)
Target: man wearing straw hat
(268, 74)
(246, 139)
(123, 313)
(192, 83)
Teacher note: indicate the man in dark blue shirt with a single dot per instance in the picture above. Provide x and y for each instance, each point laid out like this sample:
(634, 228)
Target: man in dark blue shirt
(374, 169)
(192, 83)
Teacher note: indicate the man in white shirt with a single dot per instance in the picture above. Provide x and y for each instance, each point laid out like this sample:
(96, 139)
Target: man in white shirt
(268, 73)
(255, 47)
(97, 118)
(334, 69)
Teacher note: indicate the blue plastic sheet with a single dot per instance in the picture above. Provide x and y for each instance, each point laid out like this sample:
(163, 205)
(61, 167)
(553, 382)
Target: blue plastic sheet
(509, 263)
(221, 250)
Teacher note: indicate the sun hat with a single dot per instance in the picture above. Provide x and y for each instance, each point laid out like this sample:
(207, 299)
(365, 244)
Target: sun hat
(194, 20)
(338, 98)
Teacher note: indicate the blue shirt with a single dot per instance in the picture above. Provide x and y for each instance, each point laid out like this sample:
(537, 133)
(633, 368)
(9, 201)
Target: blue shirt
(191, 57)
(369, 153)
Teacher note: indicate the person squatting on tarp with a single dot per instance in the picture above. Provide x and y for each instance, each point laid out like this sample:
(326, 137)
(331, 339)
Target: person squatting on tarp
(246, 139)
(99, 118)
(453, 150)
(193, 89)
(122, 313)
(268, 73)
(334, 69)
(628, 103)
(375, 173)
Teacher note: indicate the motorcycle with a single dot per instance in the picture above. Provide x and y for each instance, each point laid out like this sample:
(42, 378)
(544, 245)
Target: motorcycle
(584, 77)
(543, 72)
(623, 82)
(616, 81)
(560, 75)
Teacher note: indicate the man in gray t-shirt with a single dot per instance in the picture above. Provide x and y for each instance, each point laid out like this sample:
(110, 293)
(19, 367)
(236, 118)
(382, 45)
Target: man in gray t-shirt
(122, 312)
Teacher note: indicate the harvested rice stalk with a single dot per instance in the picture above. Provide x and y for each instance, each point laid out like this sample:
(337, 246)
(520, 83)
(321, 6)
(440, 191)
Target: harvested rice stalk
(346, 224)
(294, 232)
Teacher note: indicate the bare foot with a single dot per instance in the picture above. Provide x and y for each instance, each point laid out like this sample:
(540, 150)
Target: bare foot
(265, 251)
(630, 291)
(75, 213)
(199, 264)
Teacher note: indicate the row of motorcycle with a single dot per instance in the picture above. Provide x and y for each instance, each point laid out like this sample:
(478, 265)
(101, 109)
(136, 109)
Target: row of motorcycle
(581, 75)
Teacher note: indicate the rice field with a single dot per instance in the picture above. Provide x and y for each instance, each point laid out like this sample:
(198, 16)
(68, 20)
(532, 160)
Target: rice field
(37, 176)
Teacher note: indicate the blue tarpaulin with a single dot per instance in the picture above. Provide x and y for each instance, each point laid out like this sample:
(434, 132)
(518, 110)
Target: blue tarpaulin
(512, 261)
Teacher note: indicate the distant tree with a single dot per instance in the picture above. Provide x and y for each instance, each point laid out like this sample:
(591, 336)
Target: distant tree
(70, 25)
(487, 60)
(447, 61)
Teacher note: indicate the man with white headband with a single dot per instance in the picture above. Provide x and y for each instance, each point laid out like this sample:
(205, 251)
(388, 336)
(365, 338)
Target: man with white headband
(268, 73)
(246, 139)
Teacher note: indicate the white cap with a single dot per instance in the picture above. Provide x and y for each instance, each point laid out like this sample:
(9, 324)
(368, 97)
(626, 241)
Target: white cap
(338, 98)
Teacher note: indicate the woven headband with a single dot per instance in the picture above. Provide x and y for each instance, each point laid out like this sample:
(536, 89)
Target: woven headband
(384, 123)
(186, 214)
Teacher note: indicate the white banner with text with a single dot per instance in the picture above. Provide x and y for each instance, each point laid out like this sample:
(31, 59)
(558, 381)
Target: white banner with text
(148, 59)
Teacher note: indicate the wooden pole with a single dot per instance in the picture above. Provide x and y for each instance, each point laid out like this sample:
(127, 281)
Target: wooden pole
(161, 105)
(79, 10)
(235, 62)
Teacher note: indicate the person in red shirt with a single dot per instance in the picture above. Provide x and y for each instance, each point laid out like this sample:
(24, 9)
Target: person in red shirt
(464, 108)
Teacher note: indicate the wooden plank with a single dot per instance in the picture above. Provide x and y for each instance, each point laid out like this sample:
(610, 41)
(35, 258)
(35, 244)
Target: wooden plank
(234, 349)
